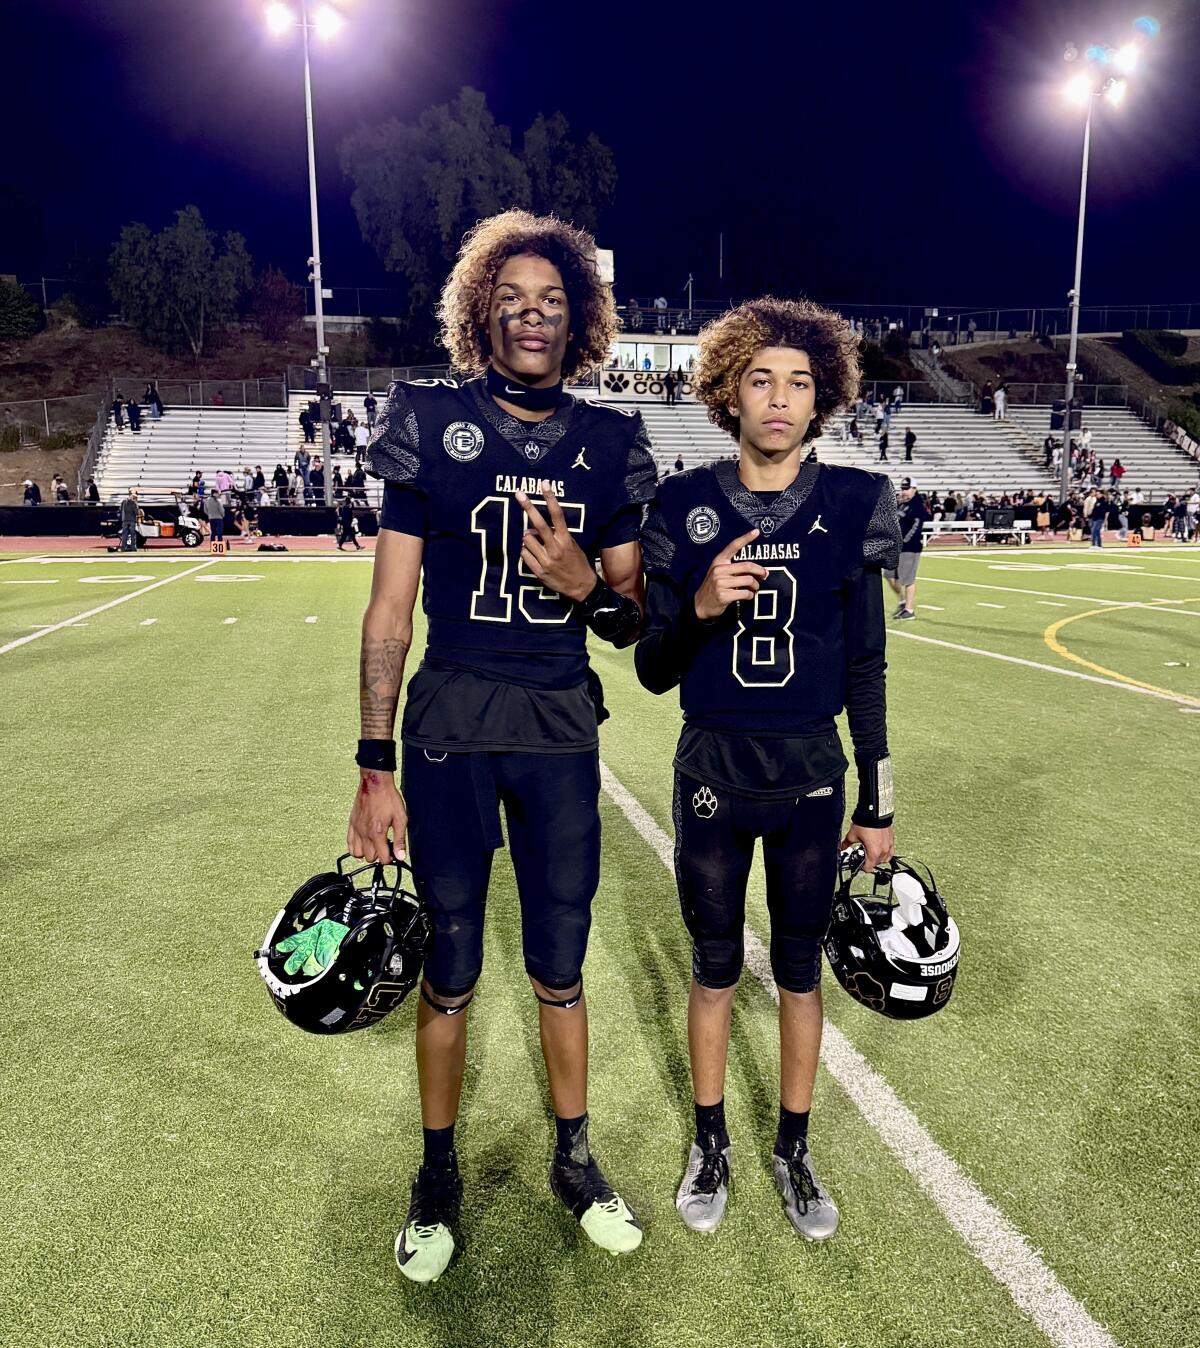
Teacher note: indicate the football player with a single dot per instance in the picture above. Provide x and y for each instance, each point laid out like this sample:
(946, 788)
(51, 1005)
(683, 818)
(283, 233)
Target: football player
(501, 494)
(764, 606)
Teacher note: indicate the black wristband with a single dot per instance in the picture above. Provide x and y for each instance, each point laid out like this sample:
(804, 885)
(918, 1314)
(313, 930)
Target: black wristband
(613, 617)
(376, 755)
(876, 799)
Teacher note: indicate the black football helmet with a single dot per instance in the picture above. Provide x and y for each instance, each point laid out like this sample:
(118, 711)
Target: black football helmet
(339, 956)
(891, 942)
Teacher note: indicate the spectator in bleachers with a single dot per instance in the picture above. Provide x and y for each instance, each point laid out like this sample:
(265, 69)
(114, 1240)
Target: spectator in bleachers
(1177, 513)
(134, 412)
(1047, 451)
(303, 462)
(356, 486)
(153, 398)
(296, 488)
(1116, 473)
(660, 313)
(633, 315)
(306, 425)
(92, 492)
(218, 399)
(265, 496)
(987, 401)
(370, 407)
(316, 481)
(669, 385)
(339, 486)
(910, 439)
(118, 404)
(879, 419)
(280, 480)
(883, 447)
(972, 326)
(214, 512)
(1000, 401)
(33, 493)
(361, 436)
(59, 487)
(679, 463)
(223, 484)
(898, 399)
(199, 490)
(260, 480)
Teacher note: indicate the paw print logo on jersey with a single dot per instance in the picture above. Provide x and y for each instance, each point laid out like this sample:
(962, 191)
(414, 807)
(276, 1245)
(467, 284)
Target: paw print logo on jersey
(703, 524)
(463, 441)
(767, 526)
(533, 451)
(704, 803)
(616, 383)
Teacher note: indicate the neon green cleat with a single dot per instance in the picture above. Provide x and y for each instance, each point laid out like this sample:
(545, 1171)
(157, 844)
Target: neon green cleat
(606, 1218)
(425, 1244)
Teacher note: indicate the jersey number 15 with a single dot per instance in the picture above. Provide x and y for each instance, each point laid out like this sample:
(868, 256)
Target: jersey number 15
(492, 602)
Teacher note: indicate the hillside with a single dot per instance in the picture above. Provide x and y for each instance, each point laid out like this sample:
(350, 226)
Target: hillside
(1025, 362)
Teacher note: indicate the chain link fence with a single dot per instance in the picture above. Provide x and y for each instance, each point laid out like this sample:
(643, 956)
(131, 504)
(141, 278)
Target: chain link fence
(35, 421)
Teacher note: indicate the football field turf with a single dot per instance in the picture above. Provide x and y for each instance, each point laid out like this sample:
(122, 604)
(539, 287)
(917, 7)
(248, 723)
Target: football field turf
(181, 1167)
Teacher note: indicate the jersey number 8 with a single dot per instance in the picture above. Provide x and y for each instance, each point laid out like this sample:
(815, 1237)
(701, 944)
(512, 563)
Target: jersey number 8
(492, 601)
(762, 647)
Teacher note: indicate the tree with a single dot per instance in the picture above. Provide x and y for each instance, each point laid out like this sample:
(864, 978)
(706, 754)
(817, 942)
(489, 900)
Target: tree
(574, 181)
(20, 313)
(418, 188)
(175, 287)
(275, 304)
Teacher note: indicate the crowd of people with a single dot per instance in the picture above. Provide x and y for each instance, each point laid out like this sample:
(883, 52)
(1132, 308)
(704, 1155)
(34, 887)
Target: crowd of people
(302, 484)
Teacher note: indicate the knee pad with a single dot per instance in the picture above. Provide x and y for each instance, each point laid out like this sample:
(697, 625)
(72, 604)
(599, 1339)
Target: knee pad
(717, 962)
(567, 996)
(796, 963)
(448, 1005)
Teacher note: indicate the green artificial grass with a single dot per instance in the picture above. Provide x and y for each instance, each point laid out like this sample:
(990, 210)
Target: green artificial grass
(184, 1168)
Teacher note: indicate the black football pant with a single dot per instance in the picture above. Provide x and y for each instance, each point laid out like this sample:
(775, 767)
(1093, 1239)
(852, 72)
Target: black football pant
(715, 834)
(551, 806)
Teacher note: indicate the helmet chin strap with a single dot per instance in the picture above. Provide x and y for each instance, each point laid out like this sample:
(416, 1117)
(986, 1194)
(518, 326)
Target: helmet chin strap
(521, 395)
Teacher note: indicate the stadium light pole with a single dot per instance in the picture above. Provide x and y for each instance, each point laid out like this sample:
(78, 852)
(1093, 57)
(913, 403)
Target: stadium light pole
(326, 24)
(1095, 81)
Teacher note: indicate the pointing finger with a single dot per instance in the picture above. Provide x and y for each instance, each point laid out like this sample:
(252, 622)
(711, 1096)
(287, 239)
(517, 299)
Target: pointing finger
(536, 518)
(727, 553)
(557, 518)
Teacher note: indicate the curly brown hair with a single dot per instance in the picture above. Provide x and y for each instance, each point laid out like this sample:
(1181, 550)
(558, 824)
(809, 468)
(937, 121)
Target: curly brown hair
(467, 294)
(728, 343)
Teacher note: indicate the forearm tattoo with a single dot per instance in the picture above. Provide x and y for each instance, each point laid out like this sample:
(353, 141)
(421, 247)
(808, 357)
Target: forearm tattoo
(381, 672)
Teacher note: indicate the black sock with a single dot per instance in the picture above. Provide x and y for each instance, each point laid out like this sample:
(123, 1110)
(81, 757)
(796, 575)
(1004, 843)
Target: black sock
(439, 1146)
(793, 1132)
(571, 1139)
(710, 1125)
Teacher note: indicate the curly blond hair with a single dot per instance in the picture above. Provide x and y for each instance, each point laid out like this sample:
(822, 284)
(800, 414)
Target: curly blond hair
(467, 294)
(728, 343)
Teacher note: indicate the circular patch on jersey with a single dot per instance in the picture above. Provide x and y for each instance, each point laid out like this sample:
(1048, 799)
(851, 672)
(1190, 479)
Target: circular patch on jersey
(463, 441)
(767, 525)
(703, 524)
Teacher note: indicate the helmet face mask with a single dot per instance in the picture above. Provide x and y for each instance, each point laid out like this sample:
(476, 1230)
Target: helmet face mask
(340, 955)
(891, 943)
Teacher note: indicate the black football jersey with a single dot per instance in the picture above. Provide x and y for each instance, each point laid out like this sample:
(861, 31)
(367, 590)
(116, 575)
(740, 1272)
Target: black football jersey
(760, 686)
(452, 461)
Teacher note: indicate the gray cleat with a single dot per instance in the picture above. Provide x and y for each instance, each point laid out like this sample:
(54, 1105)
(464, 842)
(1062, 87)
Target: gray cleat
(704, 1189)
(809, 1208)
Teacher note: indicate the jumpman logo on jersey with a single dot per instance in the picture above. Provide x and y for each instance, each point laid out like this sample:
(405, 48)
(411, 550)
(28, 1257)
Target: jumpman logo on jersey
(579, 459)
(818, 527)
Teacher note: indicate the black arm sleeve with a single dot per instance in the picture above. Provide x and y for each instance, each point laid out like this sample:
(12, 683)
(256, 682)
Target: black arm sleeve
(866, 705)
(671, 635)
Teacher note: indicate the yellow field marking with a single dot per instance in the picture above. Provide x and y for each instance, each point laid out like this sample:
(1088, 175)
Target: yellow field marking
(1050, 635)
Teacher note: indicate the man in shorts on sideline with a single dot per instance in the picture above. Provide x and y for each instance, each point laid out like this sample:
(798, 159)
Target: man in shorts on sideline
(913, 514)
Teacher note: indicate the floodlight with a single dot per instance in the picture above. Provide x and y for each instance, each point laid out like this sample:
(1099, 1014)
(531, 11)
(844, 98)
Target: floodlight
(1126, 58)
(1078, 89)
(1115, 92)
(328, 22)
(279, 18)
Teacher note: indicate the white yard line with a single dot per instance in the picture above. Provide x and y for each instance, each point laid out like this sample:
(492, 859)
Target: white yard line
(101, 608)
(1179, 698)
(987, 1233)
(983, 603)
(1058, 594)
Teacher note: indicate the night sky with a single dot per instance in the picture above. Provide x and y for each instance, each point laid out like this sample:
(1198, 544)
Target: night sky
(916, 152)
